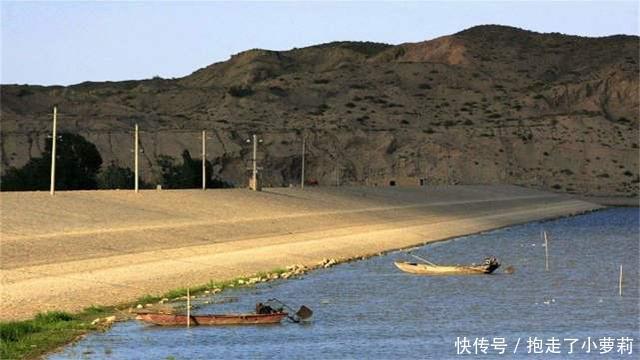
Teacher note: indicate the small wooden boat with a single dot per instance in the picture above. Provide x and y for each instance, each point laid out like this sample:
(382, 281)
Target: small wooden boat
(231, 319)
(487, 267)
(271, 312)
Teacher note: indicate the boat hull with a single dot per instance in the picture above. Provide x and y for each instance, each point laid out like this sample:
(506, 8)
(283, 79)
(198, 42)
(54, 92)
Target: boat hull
(426, 269)
(212, 320)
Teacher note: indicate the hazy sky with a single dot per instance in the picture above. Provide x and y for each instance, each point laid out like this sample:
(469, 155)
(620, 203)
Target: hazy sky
(70, 42)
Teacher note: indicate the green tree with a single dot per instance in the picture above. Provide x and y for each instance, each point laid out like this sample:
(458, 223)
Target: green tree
(187, 175)
(115, 177)
(77, 164)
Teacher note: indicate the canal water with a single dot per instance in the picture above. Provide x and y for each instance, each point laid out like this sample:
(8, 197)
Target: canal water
(370, 309)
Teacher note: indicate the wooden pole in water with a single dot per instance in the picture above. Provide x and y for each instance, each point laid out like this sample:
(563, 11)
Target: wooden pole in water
(546, 252)
(620, 281)
(188, 308)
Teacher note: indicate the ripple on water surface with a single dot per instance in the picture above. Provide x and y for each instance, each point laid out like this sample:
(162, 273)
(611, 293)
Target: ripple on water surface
(369, 309)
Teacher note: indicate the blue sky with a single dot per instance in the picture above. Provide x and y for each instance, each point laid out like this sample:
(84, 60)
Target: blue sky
(69, 42)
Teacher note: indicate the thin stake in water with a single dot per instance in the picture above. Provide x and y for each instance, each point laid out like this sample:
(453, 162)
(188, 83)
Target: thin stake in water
(546, 251)
(188, 308)
(620, 281)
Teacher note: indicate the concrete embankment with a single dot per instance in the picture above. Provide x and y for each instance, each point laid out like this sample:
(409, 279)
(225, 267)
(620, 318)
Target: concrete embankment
(84, 248)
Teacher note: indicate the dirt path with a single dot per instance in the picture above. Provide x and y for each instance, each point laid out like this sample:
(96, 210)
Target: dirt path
(106, 248)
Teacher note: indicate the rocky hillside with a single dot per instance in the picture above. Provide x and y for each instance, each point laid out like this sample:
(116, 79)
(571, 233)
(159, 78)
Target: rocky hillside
(490, 104)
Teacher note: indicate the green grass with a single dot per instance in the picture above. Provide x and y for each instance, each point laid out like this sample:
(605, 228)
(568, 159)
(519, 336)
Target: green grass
(33, 338)
(46, 331)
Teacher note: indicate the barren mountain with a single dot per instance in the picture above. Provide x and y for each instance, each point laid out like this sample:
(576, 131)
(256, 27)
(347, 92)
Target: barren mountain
(491, 104)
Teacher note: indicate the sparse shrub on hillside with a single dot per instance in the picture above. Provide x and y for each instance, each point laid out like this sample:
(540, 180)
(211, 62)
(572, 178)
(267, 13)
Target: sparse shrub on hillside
(526, 137)
(278, 91)
(362, 119)
(350, 105)
(240, 91)
(77, 162)
(320, 110)
(24, 92)
(424, 86)
(468, 122)
(538, 96)
(321, 81)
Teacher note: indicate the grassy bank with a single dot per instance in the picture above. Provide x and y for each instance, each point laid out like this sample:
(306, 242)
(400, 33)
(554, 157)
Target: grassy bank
(47, 331)
(29, 339)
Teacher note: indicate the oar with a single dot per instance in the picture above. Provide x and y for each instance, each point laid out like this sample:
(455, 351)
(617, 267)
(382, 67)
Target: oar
(421, 259)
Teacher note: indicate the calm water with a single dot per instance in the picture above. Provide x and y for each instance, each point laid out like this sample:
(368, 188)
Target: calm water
(369, 309)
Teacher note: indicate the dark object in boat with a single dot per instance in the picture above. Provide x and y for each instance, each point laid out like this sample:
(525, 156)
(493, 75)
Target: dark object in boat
(266, 309)
(489, 265)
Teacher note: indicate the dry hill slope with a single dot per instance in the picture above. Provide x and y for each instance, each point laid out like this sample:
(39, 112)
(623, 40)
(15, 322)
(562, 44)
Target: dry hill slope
(491, 104)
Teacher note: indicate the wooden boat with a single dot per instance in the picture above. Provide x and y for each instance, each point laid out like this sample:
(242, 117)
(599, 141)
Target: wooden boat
(232, 319)
(489, 265)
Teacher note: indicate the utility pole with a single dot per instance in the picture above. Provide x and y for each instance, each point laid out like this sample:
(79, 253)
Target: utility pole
(204, 161)
(52, 189)
(135, 158)
(254, 175)
(253, 183)
(302, 173)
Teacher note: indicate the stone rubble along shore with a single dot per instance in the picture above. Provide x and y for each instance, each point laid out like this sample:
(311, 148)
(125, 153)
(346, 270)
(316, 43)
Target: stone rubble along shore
(291, 271)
